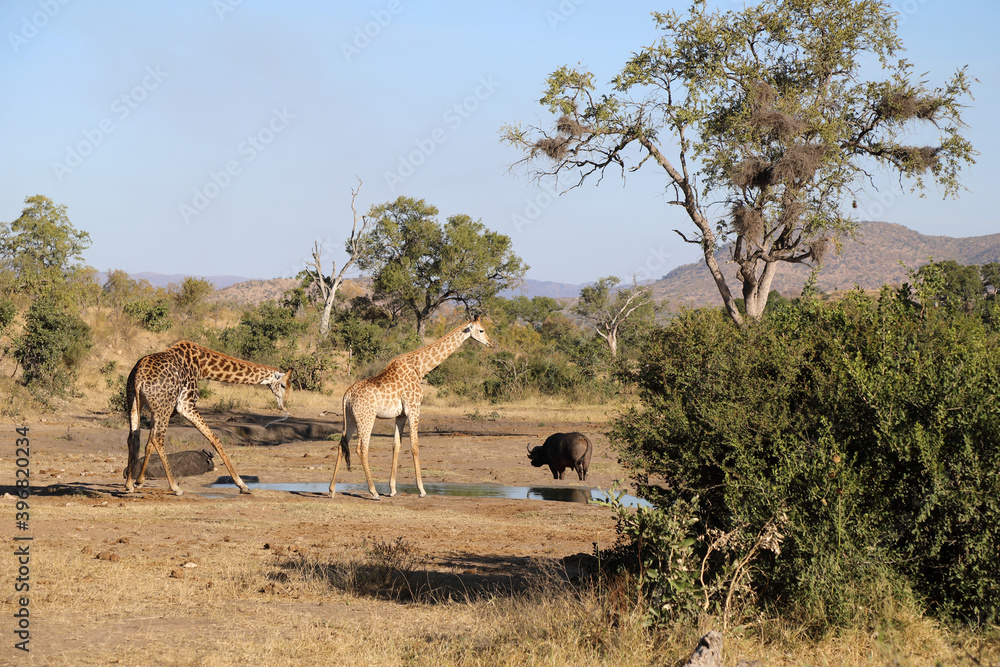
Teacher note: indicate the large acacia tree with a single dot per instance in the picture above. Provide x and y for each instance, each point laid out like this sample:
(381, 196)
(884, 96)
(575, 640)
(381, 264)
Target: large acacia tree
(763, 125)
(421, 264)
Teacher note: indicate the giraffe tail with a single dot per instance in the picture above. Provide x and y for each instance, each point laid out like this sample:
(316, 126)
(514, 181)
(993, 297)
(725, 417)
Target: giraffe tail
(345, 449)
(345, 439)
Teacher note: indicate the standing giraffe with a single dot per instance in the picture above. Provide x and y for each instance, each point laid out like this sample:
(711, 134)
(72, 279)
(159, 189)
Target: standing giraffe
(395, 393)
(167, 382)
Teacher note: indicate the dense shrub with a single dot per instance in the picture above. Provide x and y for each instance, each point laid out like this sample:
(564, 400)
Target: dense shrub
(310, 371)
(7, 312)
(52, 344)
(867, 432)
(258, 332)
(153, 315)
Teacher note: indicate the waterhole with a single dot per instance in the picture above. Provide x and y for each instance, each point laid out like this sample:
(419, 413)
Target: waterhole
(570, 494)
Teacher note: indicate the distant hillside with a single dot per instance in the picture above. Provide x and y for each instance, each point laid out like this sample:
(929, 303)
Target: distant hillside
(533, 288)
(162, 280)
(872, 261)
(254, 292)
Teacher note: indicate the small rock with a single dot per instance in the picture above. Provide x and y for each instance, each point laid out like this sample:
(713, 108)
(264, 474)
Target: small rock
(190, 564)
(109, 556)
(177, 573)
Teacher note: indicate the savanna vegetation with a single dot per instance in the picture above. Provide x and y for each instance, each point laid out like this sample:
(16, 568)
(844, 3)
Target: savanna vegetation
(819, 469)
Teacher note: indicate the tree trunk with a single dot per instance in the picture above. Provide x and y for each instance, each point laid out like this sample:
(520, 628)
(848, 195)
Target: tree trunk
(612, 339)
(324, 319)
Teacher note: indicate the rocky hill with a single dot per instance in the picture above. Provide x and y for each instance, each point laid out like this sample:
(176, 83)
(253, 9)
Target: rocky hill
(881, 255)
(254, 292)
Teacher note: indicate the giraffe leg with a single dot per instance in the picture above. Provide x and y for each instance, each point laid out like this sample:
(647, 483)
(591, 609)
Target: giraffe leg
(140, 474)
(134, 439)
(191, 414)
(364, 435)
(131, 473)
(396, 444)
(155, 443)
(415, 448)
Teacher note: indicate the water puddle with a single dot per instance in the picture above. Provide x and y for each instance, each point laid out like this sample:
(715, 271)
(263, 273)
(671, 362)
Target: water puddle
(556, 493)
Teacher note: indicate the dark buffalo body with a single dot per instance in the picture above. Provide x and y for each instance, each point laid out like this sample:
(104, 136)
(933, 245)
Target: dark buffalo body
(561, 451)
(182, 464)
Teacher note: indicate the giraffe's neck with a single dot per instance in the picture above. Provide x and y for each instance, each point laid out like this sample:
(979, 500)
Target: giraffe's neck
(214, 365)
(427, 358)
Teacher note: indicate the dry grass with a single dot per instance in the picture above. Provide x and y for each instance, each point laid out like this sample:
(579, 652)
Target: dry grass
(320, 595)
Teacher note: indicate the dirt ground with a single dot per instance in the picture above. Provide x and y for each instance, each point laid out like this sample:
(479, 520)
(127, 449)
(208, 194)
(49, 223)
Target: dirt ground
(152, 574)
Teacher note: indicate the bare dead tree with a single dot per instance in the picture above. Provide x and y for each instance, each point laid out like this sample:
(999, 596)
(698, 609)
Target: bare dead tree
(328, 285)
(609, 307)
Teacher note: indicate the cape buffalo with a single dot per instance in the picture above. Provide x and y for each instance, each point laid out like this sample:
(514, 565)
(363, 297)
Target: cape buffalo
(561, 451)
(182, 464)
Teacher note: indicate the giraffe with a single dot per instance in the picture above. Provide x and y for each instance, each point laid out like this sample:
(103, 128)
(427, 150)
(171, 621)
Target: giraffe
(167, 382)
(395, 393)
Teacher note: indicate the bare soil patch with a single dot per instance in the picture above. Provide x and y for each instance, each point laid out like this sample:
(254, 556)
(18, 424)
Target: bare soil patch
(216, 577)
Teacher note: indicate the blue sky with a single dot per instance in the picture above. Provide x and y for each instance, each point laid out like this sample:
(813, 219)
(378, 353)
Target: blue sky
(214, 137)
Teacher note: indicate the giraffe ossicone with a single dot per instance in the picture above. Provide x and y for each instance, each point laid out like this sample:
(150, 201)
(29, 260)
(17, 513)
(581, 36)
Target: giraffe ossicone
(167, 382)
(395, 393)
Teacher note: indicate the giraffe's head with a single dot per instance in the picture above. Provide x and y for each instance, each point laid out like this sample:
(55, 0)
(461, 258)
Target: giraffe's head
(478, 333)
(280, 383)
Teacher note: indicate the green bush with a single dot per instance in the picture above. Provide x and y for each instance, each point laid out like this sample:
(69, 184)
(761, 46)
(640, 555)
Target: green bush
(309, 371)
(54, 341)
(154, 316)
(7, 312)
(868, 429)
(259, 330)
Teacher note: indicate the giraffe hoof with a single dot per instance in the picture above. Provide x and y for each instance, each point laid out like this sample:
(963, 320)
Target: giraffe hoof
(375, 496)
(246, 490)
(178, 492)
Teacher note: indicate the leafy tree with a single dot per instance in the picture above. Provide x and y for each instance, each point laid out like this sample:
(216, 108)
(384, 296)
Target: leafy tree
(191, 294)
(41, 250)
(609, 307)
(138, 299)
(770, 118)
(533, 311)
(328, 285)
(422, 264)
(956, 286)
(990, 275)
